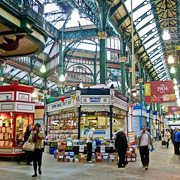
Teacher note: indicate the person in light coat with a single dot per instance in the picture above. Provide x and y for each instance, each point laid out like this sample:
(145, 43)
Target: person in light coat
(89, 141)
(145, 142)
(167, 137)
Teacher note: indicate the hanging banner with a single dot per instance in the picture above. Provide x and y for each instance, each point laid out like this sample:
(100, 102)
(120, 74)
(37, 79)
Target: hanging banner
(172, 110)
(159, 92)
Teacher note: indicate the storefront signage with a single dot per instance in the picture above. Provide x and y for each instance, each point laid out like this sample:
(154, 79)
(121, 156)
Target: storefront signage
(21, 96)
(96, 100)
(120, 104)
(4, 96)
(136, 112)
(144, 113)
(112, 94)
(78, 98)
(60, 105)
(159, 91)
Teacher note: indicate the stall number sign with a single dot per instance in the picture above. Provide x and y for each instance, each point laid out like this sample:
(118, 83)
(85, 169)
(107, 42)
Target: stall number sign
(102, 149)
(81, 148)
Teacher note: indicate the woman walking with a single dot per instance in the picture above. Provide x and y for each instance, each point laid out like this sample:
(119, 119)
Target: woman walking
(26, 137)
(167, 137)
(37, 136)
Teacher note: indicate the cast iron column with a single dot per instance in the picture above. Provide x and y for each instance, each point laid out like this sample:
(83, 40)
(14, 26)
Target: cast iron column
(79, 122)
(130, 71)
(102, 39)
(140, 84)
(111, 112)
(60, 68)
(1, 73)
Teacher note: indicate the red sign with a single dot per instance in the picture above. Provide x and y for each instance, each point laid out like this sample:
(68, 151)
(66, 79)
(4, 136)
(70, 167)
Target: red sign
(159, 91)
(172, 110)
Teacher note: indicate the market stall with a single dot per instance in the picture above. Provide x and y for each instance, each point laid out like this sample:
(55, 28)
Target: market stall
(139, 118)
(16, 112)
(73, 115)
(149, 120)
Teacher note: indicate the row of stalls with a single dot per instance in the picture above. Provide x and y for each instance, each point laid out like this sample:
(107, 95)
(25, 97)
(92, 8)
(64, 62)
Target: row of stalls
(143, 116)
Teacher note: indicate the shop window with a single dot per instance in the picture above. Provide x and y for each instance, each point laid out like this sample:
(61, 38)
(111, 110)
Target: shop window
(22, 121)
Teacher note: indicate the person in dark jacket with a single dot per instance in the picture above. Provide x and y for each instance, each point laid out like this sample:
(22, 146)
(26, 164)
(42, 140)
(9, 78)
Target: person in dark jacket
(26, 137)
(121, 146)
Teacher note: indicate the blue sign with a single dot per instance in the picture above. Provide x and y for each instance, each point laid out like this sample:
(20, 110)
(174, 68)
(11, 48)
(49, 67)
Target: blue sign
(96, 132)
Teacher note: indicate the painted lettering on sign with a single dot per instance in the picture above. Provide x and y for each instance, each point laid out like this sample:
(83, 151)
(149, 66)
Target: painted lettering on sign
(23, 97)
(95, 99)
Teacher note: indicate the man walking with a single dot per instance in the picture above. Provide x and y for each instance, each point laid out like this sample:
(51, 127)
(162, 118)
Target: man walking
(144, 142)
(121, 146)
(177, 141)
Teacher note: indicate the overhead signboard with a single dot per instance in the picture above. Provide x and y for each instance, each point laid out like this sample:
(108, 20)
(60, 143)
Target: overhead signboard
(172, 110)
(159, 91)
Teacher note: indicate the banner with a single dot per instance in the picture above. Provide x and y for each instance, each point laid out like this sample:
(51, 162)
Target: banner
(172, 110)
(159, 91)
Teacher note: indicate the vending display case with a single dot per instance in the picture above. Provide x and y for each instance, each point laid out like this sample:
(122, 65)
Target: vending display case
(16, 113)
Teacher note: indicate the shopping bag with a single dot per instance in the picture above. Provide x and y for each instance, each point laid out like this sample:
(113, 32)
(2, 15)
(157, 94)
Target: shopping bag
(94, 145)
(28, 146)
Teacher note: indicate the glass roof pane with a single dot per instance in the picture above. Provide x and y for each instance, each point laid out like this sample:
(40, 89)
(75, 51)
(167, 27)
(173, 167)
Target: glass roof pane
(15, 72)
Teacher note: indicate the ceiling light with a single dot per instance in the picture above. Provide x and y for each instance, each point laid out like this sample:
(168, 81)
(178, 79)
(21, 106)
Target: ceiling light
(175, 87)
(81, 85)
(172, 71)
(33, 94)
(75, 15)
(166, 36)
(170, 60)
(163, 107)
(62, 78)
(129, 90)
(175, 81)
(43, 69)
(178, 101)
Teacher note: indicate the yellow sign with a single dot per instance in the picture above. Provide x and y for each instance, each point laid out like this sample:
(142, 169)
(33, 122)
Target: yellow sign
(147, 88)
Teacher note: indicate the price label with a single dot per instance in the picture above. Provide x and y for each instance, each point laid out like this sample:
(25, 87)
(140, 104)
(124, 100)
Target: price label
(81, 148)
(102, 149)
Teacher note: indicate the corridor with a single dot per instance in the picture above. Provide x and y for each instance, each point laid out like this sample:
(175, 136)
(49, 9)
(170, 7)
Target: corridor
(163, 165)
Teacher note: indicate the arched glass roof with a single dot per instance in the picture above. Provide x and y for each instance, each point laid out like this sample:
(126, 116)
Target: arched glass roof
(146, 26)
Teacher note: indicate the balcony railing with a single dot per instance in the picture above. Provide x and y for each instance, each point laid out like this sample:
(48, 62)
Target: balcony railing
(32, 8)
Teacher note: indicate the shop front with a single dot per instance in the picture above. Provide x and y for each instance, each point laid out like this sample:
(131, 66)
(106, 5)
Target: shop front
(149, 120)
(16, 113)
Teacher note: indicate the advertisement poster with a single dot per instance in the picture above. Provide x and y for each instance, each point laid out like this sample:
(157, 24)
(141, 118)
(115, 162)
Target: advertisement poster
(172, 110)
(159, 91)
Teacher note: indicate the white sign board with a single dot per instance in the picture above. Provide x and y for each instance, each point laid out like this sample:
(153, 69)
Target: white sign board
(81, 148)
(95, 100)
(102, 150)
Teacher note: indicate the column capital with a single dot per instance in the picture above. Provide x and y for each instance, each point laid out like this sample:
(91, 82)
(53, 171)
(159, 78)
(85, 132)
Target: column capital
(59, 84)
(31, 74)
(140, 80)
(130, 70)
(123, 59)
(1, 78)
(45, 91)
(102, 35)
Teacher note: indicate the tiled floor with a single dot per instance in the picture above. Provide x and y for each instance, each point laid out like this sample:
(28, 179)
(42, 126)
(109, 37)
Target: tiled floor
(163, 165)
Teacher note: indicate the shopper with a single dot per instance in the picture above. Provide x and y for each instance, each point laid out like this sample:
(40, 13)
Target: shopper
(121, 146)
(37, 136)
(177, 141)
(144, 142)
(28, 154)
(90, 136)
(173, 139)
(167, 137)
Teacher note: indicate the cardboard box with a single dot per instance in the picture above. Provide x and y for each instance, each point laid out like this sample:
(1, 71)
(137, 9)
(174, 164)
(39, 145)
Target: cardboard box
(60, 156)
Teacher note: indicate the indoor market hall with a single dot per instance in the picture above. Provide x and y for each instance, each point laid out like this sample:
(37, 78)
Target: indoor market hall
(89, 89)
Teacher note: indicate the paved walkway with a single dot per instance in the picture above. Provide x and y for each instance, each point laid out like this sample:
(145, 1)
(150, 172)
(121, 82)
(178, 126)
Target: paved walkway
(163, 165)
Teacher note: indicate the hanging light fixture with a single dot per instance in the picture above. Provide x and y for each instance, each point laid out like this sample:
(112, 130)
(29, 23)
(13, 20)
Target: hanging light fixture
(163, 107)
(62, 78)
(172, 71)
(166, 35)
(43, 69)
(176, 87)
(81, 85)
(33, 94)
(75, 15)
(175, 81)
(170, 60)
